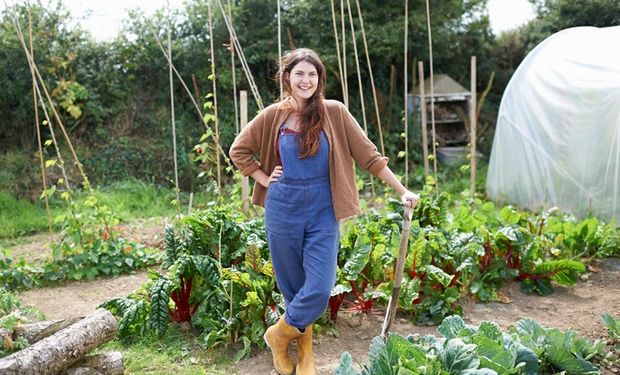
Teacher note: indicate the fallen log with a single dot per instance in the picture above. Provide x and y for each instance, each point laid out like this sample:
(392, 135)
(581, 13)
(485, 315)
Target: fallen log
(36, 331)
(57, 352)
(110, 363)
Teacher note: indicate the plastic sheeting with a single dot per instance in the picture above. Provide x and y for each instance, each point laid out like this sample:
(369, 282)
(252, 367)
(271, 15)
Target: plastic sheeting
(557, 139)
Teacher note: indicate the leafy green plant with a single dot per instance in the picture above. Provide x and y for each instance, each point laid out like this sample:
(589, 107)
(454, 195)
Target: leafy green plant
(613, 330)
(366, 256)
(218, 279)
(12, 314)
(109, 258)
(484, 350)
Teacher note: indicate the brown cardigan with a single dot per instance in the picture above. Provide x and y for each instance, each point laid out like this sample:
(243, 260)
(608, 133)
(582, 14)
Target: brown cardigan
(347, 140)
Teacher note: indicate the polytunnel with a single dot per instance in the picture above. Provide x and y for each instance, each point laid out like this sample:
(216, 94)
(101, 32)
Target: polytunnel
(557, 138)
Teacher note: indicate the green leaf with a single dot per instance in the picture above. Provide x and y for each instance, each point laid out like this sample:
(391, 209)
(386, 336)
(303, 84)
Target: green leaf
(340, 289)
(565, 360)
(509, 216)
(399, 347)
(357, 261)
(160, 296)
(559, 353)
(379, 357)
(458, 356)
(613, 326)
(583, 348)
(91, 273)
(562, 271)
(490, 330)
(451, 326)
(484, 371)
(242, 353)
(253, 259)
(345, 366)
(437, 274)
(494, 356)
(528, 357)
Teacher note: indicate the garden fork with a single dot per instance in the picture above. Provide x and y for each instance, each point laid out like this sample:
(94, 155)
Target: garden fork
(398, 272)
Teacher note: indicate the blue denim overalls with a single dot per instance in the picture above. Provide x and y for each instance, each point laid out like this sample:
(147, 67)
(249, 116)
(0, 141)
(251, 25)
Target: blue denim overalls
(302, 231)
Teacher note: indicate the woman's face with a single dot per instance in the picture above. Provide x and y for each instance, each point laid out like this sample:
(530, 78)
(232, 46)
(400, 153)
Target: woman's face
(304, 80)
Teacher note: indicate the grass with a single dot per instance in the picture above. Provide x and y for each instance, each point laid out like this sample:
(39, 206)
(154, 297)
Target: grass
(19, 217)
(176, 352)
(131, 199)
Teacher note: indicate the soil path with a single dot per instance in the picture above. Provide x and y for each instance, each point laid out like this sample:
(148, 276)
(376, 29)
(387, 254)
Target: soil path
(81, 298)
(579, 307)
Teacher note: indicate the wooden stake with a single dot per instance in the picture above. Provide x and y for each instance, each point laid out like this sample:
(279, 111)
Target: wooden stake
(34, 70)
(280, 48)
(172, 119)
(187, 90)
(423, 117)
(360, 85)
(196, 91)
(37, 127)
(242, 59)
(391, 93)
(405, 70)
(245, 182)
(216, 124)
(344, 55)
(372, 79)
(430, 50)
(344, 93)
(472, 126)
(234, 74)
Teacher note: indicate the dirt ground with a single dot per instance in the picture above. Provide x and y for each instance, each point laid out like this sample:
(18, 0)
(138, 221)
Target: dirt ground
(579, 307)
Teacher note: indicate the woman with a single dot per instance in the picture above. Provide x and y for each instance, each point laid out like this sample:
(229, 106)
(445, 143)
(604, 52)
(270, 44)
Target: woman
(306, 182)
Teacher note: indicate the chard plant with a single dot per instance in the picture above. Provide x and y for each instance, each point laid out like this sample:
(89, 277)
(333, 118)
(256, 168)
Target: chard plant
(217, 278)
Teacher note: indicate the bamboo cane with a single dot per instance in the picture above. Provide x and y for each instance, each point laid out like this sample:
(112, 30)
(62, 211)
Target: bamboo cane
(399, 268)
(344, 94)
(430, 52)
(423, 118)
(245, 182)
(406, 114)
(344, 56)
(216, 122)
(234, 74)
(372, 79)
(37, 126)
(472, 126)
(172, 117)
(359, 81)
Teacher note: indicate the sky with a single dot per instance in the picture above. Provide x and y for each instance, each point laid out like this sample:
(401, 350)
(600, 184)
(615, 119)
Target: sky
(103, 17)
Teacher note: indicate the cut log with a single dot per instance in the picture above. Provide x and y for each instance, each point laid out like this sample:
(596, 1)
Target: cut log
(110, 363)
(36, 331)
(59, 351)
(82, 371)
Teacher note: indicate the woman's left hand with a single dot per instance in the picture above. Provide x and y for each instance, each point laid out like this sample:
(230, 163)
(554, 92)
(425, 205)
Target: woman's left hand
(409, 199)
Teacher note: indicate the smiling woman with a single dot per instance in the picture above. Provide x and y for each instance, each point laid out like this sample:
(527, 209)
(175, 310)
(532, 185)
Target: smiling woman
(305, 180)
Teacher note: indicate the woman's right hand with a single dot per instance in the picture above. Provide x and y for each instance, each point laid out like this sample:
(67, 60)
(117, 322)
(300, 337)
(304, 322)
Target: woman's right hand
(275, 175)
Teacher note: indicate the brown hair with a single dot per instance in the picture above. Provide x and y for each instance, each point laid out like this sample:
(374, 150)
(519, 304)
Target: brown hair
(311, 117)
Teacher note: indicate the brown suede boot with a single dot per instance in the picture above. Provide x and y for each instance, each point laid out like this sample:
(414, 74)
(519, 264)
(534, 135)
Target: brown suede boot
(306, 364)
(278, 338)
